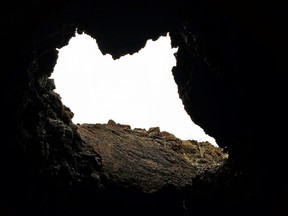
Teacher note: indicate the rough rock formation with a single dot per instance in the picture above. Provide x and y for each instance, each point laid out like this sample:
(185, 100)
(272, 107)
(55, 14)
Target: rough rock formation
(231, 76)
(135, 159)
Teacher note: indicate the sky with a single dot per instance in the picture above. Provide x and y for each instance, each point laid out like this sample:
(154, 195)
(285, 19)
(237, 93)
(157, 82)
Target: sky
(138, 90)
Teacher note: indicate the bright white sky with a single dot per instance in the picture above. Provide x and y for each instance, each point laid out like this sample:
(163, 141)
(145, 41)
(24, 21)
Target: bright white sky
(137, 89)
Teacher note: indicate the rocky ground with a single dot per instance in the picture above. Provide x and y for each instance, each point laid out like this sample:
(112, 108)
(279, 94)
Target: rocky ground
(149, 160)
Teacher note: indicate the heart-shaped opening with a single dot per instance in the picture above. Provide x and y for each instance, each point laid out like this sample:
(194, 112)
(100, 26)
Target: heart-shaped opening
(138, 89)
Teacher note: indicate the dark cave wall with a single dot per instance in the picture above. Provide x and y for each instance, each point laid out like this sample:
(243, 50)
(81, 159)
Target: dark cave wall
(230, 73)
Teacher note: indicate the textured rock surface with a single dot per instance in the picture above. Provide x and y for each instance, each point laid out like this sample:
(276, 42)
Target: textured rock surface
(231, 76)
(132, 158)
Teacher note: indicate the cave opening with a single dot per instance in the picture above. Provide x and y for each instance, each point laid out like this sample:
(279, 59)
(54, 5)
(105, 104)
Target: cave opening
(137, 89)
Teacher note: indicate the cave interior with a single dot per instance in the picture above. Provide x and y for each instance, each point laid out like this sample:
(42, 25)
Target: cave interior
(230, 73)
